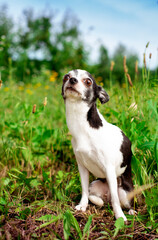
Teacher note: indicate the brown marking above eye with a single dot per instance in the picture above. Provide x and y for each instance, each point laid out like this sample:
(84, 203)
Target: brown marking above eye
(66, 78)
(87, 82)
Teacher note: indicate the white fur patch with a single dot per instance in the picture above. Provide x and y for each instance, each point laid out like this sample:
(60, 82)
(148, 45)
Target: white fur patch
(96, 200)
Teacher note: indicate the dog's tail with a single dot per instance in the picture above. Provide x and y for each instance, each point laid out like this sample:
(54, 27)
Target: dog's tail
(139, 190)
(97, 195)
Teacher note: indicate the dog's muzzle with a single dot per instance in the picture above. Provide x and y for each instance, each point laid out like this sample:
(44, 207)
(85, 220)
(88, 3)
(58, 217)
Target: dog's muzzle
(71, 85)
(73, 81)
(72, 89)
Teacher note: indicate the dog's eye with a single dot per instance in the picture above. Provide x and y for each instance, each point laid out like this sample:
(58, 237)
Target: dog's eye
(66, 78)
(87, 82)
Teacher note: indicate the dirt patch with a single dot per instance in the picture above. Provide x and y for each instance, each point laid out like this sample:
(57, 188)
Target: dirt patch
(102, 226)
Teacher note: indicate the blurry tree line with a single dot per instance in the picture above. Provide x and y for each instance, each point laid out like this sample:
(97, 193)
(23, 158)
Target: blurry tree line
(37, 43)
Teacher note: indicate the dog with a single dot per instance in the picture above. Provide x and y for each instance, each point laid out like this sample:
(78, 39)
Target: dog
(100, 148)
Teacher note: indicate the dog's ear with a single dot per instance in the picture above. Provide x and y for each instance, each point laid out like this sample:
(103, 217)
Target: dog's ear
(102, 95)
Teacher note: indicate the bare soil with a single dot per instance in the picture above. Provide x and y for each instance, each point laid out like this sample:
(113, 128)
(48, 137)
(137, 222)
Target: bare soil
(13, 228)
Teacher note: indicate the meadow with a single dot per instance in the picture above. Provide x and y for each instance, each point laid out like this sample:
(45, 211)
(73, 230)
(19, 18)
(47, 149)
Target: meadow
(39, 180)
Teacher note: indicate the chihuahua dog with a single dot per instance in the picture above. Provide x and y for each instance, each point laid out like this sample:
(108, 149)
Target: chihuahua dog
(99, 147)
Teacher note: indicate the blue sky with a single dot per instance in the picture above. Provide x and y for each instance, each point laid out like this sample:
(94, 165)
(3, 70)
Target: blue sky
(130, 22)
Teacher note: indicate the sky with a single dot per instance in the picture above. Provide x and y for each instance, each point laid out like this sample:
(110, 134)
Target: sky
(132, 23)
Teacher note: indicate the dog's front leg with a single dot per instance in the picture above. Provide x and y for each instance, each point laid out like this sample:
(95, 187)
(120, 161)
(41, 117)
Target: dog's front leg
(112, 182)
(84, 174)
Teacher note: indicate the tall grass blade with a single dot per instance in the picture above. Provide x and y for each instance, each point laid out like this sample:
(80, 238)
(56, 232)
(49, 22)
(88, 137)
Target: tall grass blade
(86, 229)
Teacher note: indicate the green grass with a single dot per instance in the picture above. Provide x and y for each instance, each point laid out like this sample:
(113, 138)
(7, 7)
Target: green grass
(39, 180)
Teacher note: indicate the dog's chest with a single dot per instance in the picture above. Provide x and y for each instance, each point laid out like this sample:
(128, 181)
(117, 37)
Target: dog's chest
(76, 118)
(97, 154)
(94, 148)
(88, 154)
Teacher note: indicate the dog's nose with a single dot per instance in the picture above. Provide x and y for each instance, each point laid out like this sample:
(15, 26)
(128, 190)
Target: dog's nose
(73, 81)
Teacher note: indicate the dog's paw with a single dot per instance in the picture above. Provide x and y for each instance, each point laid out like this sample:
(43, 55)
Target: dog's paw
(81, 208)
(96, 200)
(121, 215)
(132, 212)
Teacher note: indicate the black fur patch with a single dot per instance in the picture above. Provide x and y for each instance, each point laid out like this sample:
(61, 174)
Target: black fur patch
(93, 117)
(126, 177)
(75, 71)
(102, 95)
(90, 76)
(119, 181)
(87, 95)
(92, 99)
(103, 180)
(62, 92)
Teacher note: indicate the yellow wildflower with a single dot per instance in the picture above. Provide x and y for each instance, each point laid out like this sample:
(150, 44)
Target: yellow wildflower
(29, 91)
(53, 76)
(124, 85)
(6, 89)
(54, 73)
(28, 85)
(37, 85)
(46, 87)
(21, 88)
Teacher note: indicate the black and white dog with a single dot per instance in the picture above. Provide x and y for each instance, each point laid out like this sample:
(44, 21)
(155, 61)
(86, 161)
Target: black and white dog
(100, 147)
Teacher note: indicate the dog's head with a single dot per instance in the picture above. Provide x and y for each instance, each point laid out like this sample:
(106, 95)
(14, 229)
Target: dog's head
(80, 85)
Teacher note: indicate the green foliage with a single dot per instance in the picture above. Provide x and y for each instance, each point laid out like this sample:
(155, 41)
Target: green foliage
(119, 225)
(24, 213)
(69, 221)
(39, 44)
(6, 37)
(37, 161)
(43, 43)
(119, 54)
(102, 68)
(48, 219)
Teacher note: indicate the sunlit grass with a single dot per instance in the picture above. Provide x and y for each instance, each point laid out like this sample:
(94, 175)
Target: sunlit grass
(37, 161)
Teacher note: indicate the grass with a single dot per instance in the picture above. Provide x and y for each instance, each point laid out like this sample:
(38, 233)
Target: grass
(39, 180)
